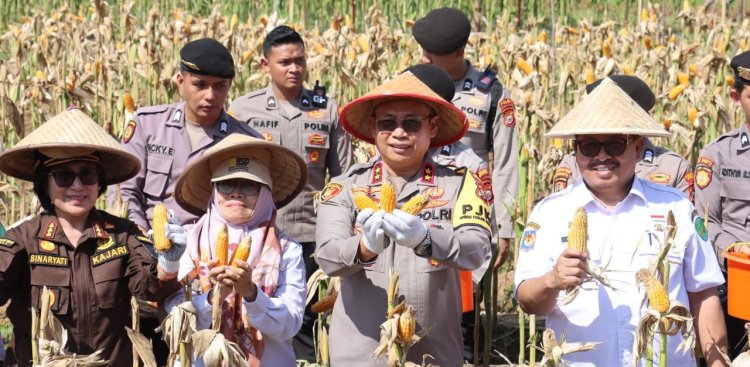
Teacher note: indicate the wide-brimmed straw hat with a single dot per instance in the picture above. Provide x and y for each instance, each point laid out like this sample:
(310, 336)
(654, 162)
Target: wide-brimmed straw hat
(71, 135)
(607, 110)
(355, 115)
(288, 172)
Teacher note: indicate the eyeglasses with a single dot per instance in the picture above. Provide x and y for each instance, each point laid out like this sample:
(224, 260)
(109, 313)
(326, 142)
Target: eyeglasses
(248, 188)
(65, 178)
(409, 124)
(591, 147)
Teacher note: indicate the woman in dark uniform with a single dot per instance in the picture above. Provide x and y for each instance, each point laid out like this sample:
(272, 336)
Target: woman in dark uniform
(91, 261)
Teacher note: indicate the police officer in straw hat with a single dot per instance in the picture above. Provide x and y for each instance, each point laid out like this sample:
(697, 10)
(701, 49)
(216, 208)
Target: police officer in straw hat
(657, 164)
(403, 117)
(627, 222)
(722, 186)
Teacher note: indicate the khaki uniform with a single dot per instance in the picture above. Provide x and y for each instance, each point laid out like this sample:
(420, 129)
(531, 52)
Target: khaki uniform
(159, 139)
(92, 283)
(657, 165)
(722, 183)
(314, 133)
(500, 137)
(458, 218)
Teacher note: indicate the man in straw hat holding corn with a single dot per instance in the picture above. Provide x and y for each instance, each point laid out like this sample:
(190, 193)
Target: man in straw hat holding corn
(451, 232)
(91, 261)
(628, 220)
(722, 189)
(657, 164)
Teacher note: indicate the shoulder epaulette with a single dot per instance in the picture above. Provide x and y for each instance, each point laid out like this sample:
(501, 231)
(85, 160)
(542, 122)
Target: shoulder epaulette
(150, 110)
(254, 94)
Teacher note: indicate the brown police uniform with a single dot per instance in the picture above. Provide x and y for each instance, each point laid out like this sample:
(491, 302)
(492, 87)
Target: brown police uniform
(312, 132)
(657, 165)
(474, 96)
(458, 219)
(722, 183)
(158, 138)
(92, 282)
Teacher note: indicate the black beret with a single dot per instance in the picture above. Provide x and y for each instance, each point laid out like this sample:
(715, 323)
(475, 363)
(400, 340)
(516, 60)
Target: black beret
(442, 31)
(741, 66)
(436, 78)
(637, 89)
(207, 56)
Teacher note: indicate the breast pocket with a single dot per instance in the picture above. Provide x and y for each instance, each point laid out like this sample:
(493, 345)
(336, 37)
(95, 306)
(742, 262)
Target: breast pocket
(315, 145)
(735, 206)
(108, 271)
(157, 175)
(57, 280)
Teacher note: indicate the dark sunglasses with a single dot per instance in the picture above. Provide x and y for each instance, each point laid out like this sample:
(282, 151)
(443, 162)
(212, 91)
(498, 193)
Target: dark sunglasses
(409, 124)
(591, 147)
(248, 188)
(65, 178)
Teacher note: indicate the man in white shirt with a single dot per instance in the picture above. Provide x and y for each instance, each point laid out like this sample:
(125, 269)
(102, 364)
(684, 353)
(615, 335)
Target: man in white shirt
(626, 227)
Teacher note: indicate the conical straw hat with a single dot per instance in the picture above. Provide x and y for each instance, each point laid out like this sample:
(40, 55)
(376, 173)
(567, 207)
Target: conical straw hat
(288, 171)
(71, 133)
(355, 115)
(607, 110)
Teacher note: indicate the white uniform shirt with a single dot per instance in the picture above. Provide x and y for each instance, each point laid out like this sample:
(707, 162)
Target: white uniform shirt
(623, 241)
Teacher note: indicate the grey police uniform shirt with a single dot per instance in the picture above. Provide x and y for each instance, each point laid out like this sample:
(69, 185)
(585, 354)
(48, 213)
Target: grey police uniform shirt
(313, 133)
(158, 138)
(476, 103)
(722, 184)
(658, 165)
(459, 224)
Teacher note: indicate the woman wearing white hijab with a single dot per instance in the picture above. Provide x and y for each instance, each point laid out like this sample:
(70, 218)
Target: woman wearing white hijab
(240, 183)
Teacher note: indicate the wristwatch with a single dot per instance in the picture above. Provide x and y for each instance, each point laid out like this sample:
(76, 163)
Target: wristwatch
(424, 248)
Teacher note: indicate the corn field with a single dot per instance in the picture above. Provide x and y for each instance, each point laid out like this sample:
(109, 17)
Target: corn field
(93, 53)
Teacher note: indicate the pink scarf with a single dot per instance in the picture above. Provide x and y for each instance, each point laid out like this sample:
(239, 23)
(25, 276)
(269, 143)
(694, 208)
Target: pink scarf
(264, 259)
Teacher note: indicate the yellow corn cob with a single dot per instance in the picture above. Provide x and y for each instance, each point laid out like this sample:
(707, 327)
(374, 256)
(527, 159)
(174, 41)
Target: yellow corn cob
(692, 114)
(159, 225)
(246, 56)
(658, 298)
(693, 69)
(676, 91)
(416, 203)
(326, 303)
(672, 39)
(129, 103)
(387, 196)
(667, 123)
(364, 45)
(730, 80)
(606, 49)
(243, 250)
(644, 15)
(627, 70)
(362, 201)
(530, 39)
(572, 30)
(647, 42)
(222, 245)
(578, 230)
(543, 37)
(590, 77)
(683, 78)
(406, 324)
(524, 66)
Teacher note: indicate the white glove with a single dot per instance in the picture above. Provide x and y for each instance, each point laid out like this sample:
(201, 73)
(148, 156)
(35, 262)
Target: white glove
(372, 223)
(406, 229)
(170, 260)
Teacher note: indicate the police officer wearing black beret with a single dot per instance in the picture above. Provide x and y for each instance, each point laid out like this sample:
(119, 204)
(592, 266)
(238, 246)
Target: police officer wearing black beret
(166, 138)
(443, 34)
(722, 184)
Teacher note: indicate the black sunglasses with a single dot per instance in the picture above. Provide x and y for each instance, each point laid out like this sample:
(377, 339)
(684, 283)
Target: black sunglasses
(409, 124)
(65, 178)
(247, 187)
(591, 147)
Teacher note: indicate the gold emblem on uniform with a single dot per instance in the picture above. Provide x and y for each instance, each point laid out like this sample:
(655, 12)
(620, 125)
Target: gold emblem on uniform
(267, 136)
(47, 246)
(104, 243)
(330, 191)
(435, 193)
(313, 156)
(474, 123)
(476, 101)
(51, 230)
(659, 177)
(316, 114)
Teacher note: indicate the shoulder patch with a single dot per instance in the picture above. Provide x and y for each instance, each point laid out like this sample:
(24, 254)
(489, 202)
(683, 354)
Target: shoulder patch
(144, 240)
(330, 191)
(508, 110)
(6, 242)
(528, 240)
(560, 178)
(471, 207)
(703, 172)
(700, 227)
(127, 134)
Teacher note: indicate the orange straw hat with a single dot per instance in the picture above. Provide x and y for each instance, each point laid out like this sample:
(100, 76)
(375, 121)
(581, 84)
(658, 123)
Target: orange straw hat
(355, 115)
(69, 136)
(241, 156)
(607, 110)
